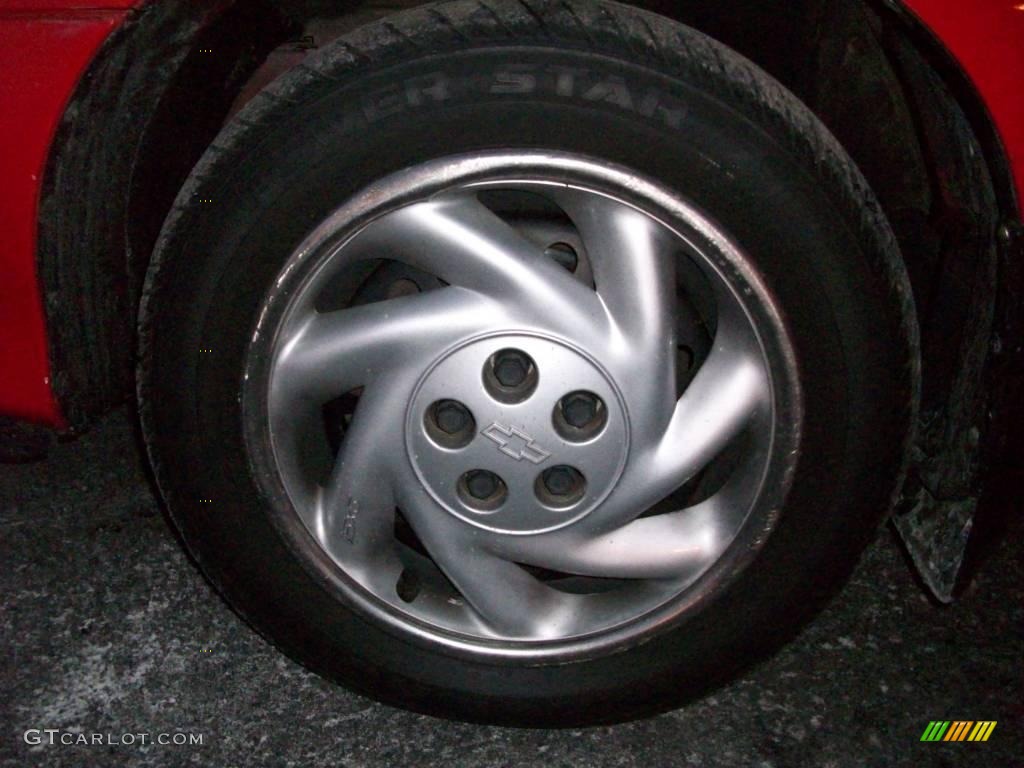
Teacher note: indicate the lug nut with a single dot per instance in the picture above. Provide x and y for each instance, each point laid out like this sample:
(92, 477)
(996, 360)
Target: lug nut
(510, 376)
(511, 368)
(559, 480)
(451, 416)
(449, 424)
(482, 491)
(560, 486)
(580, 408)
(482, 484)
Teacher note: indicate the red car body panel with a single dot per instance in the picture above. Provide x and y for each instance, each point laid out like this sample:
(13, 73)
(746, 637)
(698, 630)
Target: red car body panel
(46, 46)
(987, 38)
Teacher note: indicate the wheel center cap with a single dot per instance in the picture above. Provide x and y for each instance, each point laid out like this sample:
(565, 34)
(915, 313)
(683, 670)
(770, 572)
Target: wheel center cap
(517, 433)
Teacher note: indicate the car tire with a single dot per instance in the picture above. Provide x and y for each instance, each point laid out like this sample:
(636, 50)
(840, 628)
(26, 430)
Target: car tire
(619, 105)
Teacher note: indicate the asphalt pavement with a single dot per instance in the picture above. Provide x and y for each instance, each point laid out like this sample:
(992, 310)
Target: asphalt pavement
(112, 636)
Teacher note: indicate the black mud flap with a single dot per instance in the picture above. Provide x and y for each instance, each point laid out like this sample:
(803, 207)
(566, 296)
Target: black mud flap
(935, 534)
(955, 497)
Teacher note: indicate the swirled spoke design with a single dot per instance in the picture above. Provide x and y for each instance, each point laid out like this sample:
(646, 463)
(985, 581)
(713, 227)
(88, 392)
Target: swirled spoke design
(517, 429)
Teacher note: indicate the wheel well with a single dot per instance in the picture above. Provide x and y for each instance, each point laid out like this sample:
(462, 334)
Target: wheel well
(163, 84)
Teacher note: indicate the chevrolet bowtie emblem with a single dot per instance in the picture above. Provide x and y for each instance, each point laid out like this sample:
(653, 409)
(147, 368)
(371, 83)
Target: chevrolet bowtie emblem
(515, 443)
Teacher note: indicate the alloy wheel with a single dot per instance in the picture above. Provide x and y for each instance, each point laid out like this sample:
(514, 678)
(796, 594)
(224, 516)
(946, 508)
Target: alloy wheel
(525, 403)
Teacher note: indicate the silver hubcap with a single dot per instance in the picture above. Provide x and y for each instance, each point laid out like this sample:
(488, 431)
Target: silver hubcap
(565, 415)
(549, 473)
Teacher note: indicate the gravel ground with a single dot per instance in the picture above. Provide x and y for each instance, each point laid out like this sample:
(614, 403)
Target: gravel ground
(109, 629)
